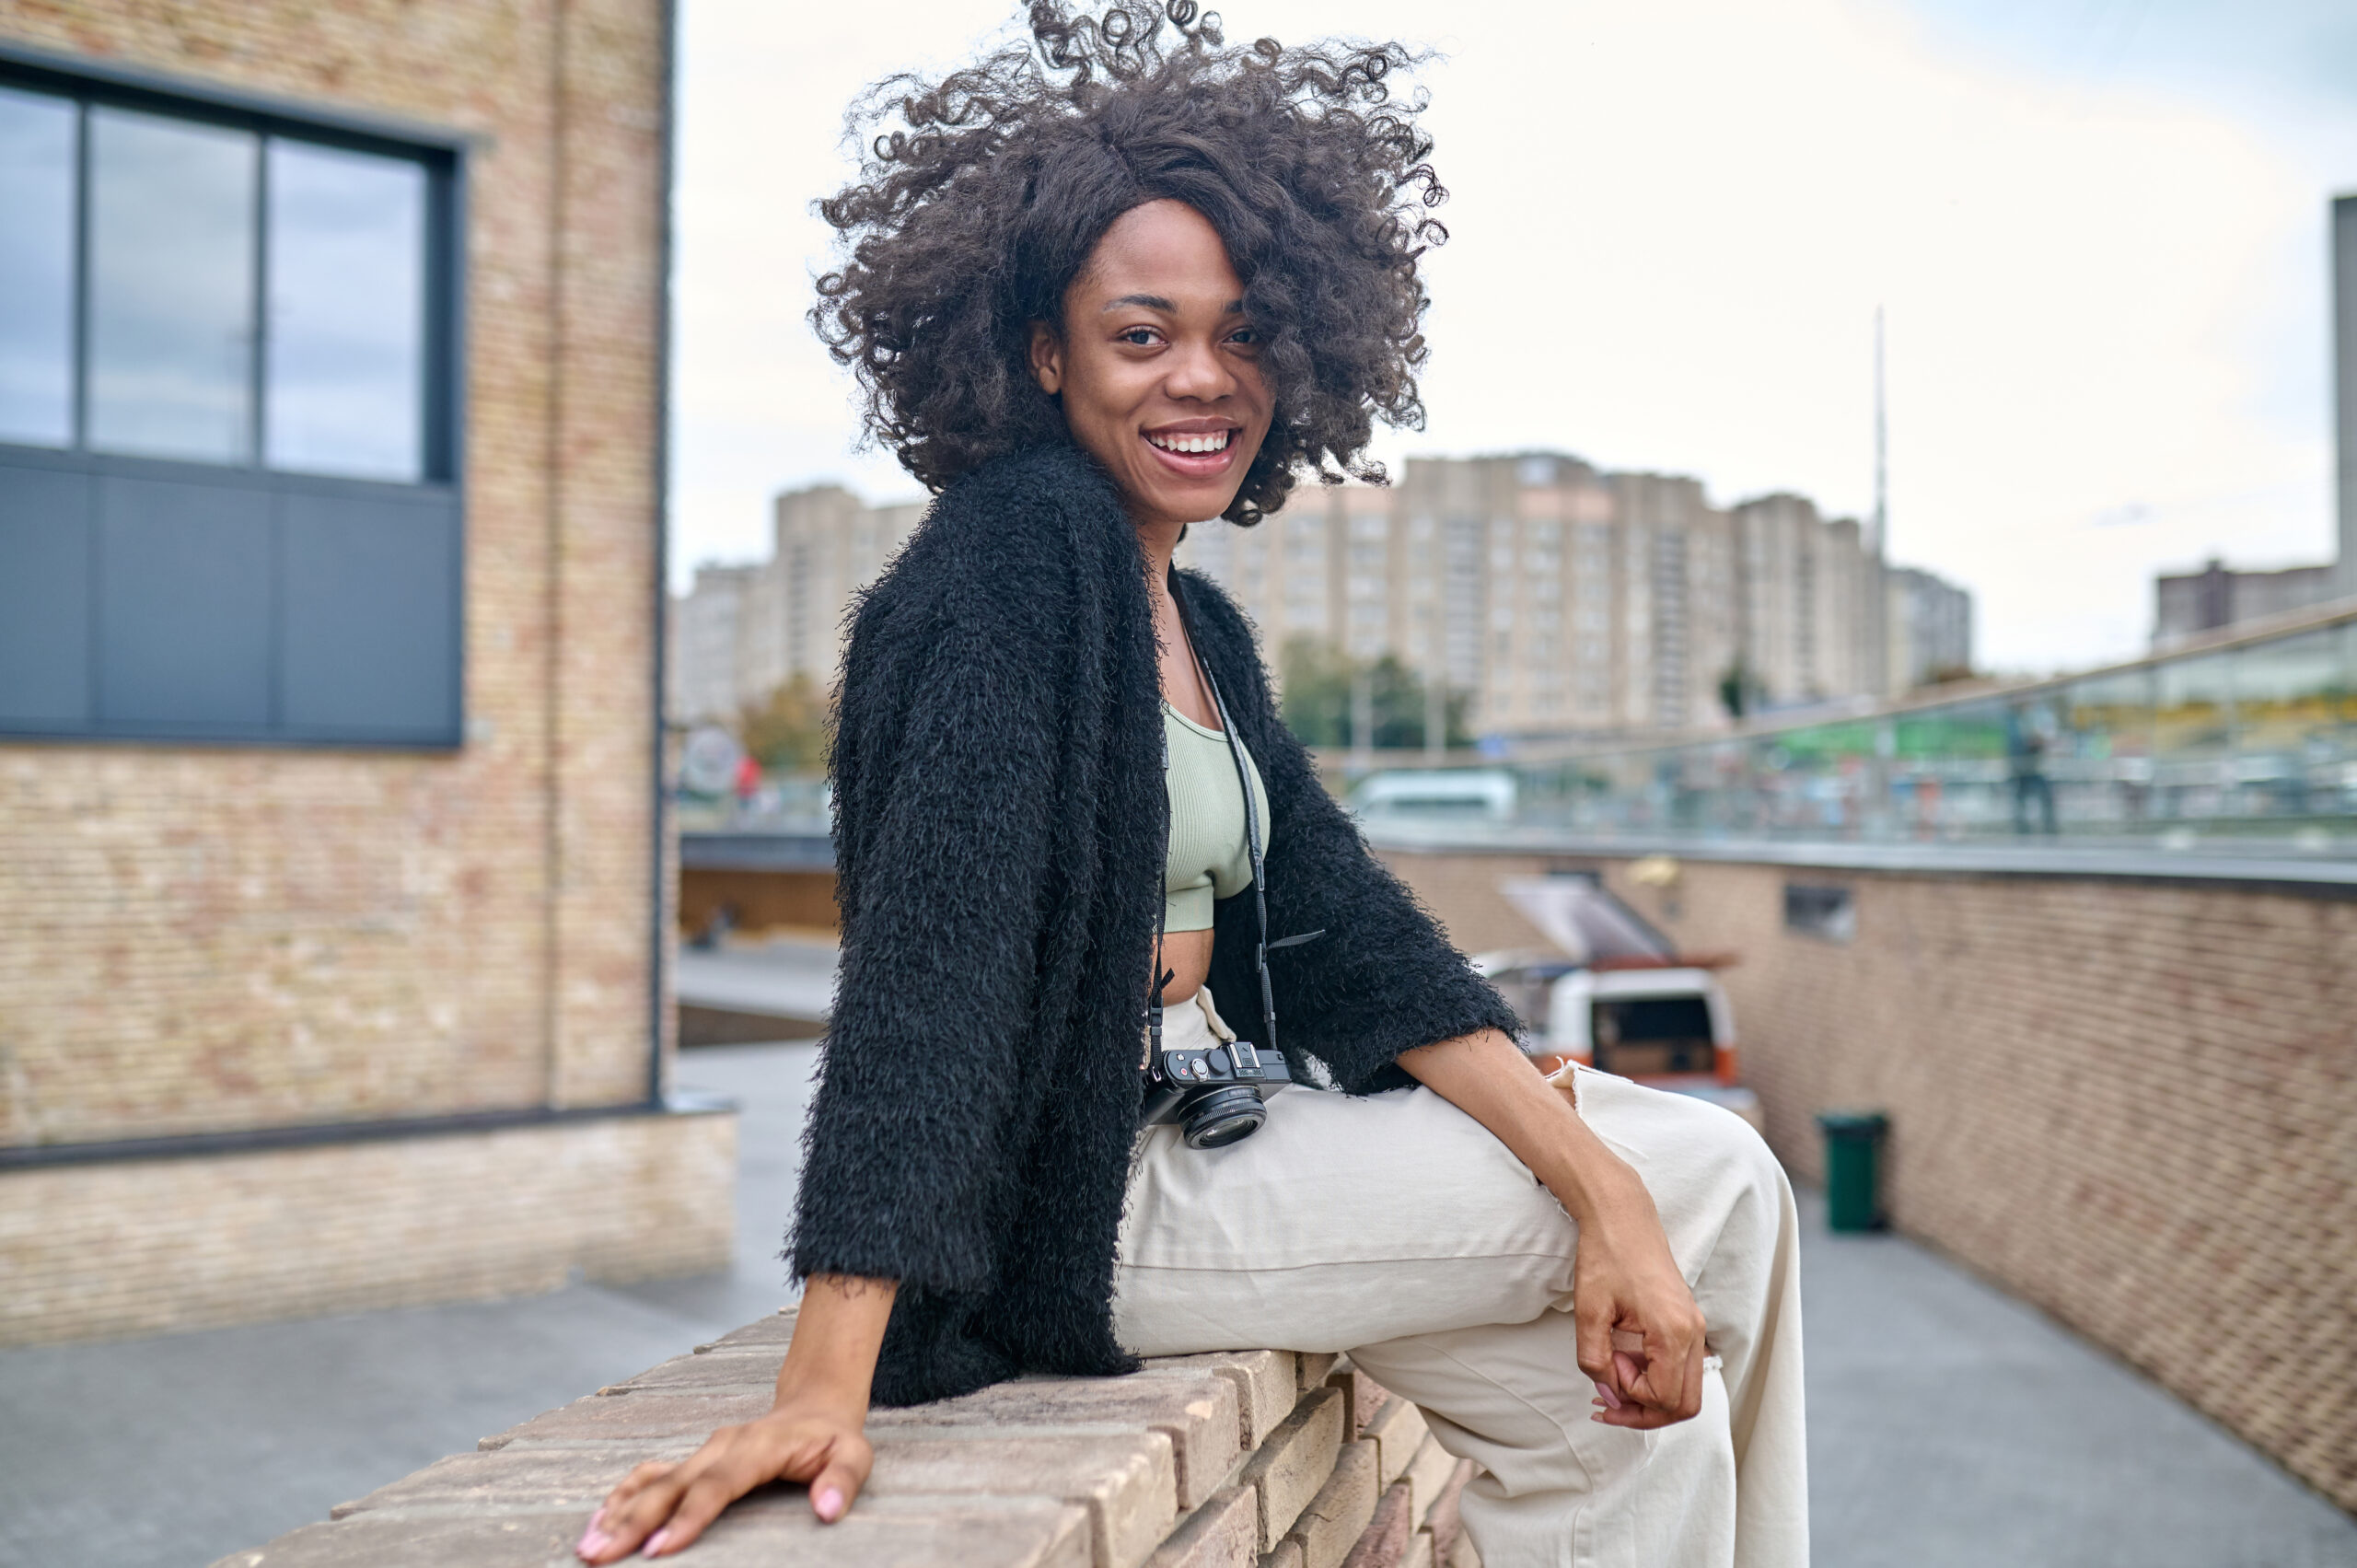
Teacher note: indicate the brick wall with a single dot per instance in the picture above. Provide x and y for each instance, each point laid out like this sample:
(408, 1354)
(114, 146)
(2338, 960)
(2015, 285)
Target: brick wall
(209, 939)
(146, 1246)
(2131, 1103)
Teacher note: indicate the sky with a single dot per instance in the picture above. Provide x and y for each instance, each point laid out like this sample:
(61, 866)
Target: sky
(2098, 229)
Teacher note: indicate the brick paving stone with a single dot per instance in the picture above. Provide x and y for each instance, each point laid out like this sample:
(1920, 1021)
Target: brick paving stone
(1362, 1396)
(1266, 1381)
(509, 1540)
(1399, 1432)
(658, 1413)
(1287, 1555)
(776, 1329)
(1128, 1484)
(1314, 1366)
(1441, 1518)
(1222, 1533)
(1295, 1462)
(513, 1479)
(719, 1369)
(771, 1528)
(1198, 1413)
(1428, 1475)
(1384, 1543)
(1338, 1515)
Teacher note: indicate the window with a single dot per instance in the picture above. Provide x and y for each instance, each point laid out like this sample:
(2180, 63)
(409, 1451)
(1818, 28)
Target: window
(229, 420)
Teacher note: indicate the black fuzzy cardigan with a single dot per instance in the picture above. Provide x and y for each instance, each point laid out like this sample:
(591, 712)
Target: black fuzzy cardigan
(999, 833)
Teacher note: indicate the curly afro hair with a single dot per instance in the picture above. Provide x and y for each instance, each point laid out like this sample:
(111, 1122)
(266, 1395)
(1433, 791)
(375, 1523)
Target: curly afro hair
(982, 196)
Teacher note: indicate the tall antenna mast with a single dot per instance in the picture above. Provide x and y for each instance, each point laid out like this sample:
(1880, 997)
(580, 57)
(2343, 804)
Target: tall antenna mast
(1879, 544)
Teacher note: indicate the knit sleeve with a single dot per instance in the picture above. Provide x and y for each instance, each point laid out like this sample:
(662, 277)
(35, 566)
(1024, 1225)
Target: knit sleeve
(945, 815)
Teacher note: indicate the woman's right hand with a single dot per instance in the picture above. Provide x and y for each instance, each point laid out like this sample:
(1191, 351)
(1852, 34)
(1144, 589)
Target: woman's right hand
(815, 1433)
(660, 1508)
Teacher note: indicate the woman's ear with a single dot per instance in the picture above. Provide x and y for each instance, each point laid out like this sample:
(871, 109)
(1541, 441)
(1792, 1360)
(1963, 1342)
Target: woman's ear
(1047, 358)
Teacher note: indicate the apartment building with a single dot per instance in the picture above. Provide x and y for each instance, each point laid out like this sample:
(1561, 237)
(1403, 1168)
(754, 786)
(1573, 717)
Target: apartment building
(1562, 598)
(743, 630)
(1559, 598)
(1929, 626)
(2186, 604)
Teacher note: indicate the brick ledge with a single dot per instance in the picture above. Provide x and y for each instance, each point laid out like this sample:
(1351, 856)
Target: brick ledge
(1254, 1459)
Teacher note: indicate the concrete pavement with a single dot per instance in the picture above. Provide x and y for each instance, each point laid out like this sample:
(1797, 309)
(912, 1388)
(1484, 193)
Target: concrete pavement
(1949, 1424)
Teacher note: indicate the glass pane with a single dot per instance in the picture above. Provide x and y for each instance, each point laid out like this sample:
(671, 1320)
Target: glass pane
(347, 312)
(2106, 746)
(36, 269)
(171, 287)
(2288, 694)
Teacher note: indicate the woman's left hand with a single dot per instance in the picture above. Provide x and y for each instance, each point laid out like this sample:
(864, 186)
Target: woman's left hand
(1640, 1332)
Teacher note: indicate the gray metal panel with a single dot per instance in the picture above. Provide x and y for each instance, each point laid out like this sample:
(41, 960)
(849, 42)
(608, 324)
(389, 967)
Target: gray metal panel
(184, 606)
(371, 629)
(44, 598)
(807, 851)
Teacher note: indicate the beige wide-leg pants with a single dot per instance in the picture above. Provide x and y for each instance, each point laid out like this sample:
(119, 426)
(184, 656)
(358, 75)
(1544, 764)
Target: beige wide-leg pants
(1396, 1227)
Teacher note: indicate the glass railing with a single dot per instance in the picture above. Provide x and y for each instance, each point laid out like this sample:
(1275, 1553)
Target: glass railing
(2242, 744)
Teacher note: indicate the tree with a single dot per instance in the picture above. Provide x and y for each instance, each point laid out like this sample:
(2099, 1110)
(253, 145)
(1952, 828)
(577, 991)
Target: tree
(786, 731)
(1318, 681)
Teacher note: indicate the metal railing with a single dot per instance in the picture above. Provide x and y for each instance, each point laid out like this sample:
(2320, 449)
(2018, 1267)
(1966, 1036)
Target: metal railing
(2243, 742)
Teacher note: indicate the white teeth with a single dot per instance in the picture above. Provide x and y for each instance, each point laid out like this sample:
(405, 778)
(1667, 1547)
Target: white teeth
(1214, 442)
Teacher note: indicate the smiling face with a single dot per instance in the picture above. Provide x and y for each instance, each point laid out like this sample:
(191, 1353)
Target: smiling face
(1157, 367)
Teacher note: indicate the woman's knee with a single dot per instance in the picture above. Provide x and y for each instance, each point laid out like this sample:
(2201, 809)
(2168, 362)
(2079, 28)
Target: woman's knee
(1711, 1176)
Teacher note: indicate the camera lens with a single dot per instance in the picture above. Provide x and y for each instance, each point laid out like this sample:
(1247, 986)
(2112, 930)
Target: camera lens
(1223, 1117)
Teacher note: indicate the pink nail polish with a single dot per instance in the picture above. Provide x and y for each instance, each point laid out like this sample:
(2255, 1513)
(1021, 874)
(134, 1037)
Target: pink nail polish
(829, 1504)
(655, 1543)
(592, 1542)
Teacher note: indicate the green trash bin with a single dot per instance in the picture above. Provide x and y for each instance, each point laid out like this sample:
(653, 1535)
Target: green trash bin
(1852, 1168)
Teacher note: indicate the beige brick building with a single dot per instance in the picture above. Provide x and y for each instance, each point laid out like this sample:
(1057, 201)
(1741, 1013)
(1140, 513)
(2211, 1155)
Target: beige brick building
(334, 977)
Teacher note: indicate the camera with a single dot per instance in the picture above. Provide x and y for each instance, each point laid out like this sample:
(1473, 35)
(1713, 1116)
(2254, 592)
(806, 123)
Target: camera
(1213, 1096)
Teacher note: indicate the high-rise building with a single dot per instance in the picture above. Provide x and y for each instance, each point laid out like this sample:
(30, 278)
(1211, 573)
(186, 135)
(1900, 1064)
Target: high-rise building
(1557, 597)
(1805, 602)
(1561, 598)
(2188, 603)
(1928, 623)
(706, 627)
(743, 630)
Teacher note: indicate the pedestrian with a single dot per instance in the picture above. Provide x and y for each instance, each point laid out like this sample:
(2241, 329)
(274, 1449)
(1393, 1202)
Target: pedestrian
(1115, 281)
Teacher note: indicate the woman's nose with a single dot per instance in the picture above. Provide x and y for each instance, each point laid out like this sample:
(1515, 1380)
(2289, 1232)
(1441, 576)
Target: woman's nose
(1198, 373)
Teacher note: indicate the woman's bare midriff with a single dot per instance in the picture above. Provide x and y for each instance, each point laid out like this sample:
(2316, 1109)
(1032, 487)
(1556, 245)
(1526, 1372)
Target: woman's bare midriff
(1189, 955)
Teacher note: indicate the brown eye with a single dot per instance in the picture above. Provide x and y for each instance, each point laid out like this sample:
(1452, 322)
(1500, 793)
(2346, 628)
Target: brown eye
(1138, 337)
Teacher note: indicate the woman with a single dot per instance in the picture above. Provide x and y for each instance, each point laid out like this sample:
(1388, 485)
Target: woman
(1098, 288)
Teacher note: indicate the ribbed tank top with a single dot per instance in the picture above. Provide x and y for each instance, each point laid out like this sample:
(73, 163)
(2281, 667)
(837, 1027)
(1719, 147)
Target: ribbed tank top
(1209, 857)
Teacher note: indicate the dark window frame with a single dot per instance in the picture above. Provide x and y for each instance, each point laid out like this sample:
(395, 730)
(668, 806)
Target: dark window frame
(443, 154)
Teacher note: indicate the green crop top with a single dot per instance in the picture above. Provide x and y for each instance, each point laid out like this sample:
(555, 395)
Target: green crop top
(1208, 858)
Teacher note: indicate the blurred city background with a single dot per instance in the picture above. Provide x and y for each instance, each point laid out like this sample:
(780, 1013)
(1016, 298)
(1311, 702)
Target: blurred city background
(1869, 631)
